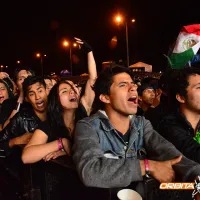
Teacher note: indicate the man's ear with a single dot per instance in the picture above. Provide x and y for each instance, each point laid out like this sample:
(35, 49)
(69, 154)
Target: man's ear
(180, 98)
(104, 98)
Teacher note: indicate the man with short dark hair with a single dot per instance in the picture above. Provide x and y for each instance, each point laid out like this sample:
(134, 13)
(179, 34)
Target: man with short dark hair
(115, 148)
(26, 121)
(182, 127)
(146, 96)
(19, 131)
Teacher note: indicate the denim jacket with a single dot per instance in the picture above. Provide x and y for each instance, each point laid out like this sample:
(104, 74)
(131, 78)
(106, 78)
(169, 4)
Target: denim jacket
(103, 160)
(111, 142)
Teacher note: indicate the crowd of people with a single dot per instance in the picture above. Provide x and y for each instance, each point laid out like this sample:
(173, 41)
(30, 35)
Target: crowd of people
(119, 129)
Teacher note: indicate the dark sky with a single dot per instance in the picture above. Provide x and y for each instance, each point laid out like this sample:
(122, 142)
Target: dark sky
(28, 27)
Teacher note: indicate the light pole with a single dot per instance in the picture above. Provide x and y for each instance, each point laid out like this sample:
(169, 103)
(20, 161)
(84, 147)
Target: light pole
(38, 55)
(119, 20)
(67, 44)
(3, 67)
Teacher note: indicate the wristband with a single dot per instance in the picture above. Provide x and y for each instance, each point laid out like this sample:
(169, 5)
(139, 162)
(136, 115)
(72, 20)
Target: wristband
(86, 47)
(60, 145)
(147, 172)
(17, 106)
(63, 149)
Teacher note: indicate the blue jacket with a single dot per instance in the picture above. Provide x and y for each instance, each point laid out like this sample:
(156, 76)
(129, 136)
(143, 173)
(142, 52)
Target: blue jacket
(103, 160)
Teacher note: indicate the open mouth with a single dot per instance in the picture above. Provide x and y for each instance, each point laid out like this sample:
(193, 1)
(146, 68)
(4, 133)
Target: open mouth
(40, 103)
(1, 98)
(73, 99)
(133, 99)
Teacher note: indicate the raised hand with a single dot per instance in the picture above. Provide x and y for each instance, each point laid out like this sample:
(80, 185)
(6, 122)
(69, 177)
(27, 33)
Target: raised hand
(3, 75)
(84, 45)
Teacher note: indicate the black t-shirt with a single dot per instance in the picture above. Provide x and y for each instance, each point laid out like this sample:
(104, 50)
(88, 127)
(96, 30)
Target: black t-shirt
(125, 136)
(47, 129)
(62, 132)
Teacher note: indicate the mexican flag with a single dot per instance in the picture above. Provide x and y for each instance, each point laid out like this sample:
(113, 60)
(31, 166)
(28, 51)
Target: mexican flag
(187, 45)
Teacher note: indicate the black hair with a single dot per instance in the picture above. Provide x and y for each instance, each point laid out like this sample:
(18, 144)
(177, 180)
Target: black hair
(143, 87)
(55, 113)
(179, 82)
(104, 82)
(17, 70)
(30, 80)
(47, 77)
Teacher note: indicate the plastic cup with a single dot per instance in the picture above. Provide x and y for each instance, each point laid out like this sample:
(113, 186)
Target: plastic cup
(128, 194)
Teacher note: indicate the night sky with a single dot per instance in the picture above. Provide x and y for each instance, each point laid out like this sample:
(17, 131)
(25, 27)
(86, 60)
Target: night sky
(28, 27)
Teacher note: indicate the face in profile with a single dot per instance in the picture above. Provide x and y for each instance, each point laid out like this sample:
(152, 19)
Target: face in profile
(3, 93)
(37, 97)
(68, 95)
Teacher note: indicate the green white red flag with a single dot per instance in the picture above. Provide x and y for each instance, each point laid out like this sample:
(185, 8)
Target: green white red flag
(187, 45)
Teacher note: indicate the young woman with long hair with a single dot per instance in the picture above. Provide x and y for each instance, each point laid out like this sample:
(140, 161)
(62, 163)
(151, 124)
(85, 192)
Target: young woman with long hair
(54, 137)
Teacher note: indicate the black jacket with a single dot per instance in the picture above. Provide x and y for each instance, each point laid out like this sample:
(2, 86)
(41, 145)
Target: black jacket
(23, 122)
(177, 130)
(9, 105)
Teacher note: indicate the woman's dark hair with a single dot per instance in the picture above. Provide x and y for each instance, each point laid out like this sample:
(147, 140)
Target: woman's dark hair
(104, 82)
(55, 113)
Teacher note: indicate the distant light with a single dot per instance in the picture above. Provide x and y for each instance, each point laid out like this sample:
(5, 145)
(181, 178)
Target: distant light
(6, 66)
(65, 43)
(75, 45)
(118, 19)
(1, 66)
(38, 55)
(133, 20)
(160, 72)
(45, 55)
(18, 62)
